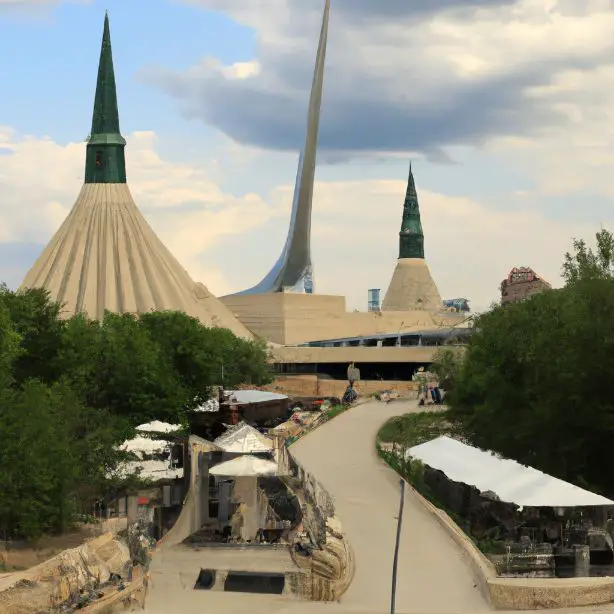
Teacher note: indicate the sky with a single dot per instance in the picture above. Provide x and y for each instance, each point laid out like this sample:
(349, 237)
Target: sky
(504, 108)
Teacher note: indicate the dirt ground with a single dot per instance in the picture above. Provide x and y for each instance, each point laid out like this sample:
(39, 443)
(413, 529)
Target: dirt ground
(24, 556)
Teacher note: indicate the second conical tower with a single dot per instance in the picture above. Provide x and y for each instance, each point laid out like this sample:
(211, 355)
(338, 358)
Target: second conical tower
(411, 287)
(105, 256)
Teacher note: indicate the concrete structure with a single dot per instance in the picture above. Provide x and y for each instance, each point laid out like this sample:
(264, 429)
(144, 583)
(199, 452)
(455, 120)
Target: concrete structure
(521, 283)
(292, 319)
(412, 287)
(105, 255)
(293, 271)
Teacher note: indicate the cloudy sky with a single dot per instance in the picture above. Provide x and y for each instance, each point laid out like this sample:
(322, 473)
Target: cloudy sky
(504, 106)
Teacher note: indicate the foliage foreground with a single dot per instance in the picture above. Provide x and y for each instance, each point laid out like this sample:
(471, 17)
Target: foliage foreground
(534, 383)
(71, 390)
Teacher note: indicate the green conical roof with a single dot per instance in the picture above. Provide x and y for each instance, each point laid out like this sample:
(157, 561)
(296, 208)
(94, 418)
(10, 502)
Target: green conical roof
(411, 237)
(105, 151)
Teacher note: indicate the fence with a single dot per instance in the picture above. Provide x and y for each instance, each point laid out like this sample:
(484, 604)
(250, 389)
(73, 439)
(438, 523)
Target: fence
(318, 505)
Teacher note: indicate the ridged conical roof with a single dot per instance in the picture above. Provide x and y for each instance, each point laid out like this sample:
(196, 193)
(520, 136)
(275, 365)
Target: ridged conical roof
(105, 256)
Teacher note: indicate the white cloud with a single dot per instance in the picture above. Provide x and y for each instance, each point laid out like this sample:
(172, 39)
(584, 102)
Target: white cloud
(470, 245)
(228, 238)
(40, 179)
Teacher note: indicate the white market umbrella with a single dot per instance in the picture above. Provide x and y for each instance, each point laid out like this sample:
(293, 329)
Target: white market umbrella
(245, 466)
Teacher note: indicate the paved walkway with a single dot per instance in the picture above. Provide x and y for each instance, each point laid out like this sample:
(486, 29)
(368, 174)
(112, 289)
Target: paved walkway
(433, 576)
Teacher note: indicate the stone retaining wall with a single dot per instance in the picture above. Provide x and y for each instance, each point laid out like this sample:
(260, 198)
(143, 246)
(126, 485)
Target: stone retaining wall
(311, 385)
(61, 579)
(330, 568)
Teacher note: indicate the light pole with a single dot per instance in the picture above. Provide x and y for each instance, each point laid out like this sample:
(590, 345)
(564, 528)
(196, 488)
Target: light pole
(396, 549)
(399, 335)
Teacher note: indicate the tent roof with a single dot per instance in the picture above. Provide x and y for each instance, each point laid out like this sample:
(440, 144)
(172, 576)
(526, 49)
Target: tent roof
(245, 466)
(255, 396)
(244, 439)
(151, 470)
(158, 427)
(511, 481)
(146, 445)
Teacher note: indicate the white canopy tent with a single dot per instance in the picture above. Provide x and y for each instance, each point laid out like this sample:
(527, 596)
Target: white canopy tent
(244, 439)
(158, 427)
(144, 445)
(245, 466)
(509, 480)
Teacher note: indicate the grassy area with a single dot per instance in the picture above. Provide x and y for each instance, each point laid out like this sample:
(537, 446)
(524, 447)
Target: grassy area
(335, 410)
(413, 429)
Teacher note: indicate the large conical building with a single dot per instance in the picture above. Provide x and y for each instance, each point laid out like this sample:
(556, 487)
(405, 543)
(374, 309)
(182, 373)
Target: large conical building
(412, 287)
(105, 256)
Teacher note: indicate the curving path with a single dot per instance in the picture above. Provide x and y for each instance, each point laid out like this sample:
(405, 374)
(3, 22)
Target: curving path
(432, 574)
(433, 577)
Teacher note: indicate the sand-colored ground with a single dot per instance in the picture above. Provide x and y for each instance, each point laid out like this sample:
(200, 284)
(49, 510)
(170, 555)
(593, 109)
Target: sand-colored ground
(433, 577)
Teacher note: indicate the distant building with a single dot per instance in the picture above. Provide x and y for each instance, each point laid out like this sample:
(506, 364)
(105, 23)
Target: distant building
(411, 288)
(374, 299)
(457, 305)
(521, 283)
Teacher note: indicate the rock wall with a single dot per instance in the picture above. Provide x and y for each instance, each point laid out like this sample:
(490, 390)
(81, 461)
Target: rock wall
(330, 567)
(64, 578)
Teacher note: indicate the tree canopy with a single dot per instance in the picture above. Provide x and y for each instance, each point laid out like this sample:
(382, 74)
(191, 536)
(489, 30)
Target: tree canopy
(534, 383)
(584, 263)
(72, 389)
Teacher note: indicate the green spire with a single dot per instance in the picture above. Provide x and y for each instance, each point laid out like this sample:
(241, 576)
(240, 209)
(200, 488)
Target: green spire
(105, 161)
(411, 237)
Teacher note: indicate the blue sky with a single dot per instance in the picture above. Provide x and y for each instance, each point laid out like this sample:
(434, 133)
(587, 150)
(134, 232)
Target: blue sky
(58, 64)
(506, 123)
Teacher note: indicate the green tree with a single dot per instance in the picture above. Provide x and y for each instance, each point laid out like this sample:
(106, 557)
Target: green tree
(446, 366)
(534, 384)
(244, 362)
(134, 378)
(585, 263)
(35, 318)
(37, 469)
(190, 348)
(203, 357)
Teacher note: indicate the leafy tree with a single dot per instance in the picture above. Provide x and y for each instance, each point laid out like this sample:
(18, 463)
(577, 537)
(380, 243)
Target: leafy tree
(446, 366)
(244, 362)
(133, 377)
(36, 468)
(585, 263)
(534, 384)
(72, 389)
(204, 357)
(35, 318)
(191, 349)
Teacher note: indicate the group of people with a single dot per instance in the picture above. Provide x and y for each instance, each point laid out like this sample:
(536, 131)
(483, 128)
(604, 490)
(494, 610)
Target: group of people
(429, 393)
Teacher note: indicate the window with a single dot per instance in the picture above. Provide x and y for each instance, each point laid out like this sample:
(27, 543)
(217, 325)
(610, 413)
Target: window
(99, 161)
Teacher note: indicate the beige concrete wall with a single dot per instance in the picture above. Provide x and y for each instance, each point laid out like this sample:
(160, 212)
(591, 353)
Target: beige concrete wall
(261, 313)
(523, 593)
(299, 318)
(309, 385)
(317, 355)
